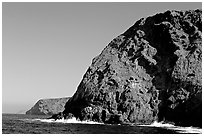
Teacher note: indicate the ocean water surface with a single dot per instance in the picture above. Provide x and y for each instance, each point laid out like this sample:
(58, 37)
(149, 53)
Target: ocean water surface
(32, 124)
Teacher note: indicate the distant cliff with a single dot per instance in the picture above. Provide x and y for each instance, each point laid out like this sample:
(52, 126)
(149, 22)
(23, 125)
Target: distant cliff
(48, 106)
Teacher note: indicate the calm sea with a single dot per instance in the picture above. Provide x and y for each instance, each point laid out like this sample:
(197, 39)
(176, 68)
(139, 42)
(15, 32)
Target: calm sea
(29, 124)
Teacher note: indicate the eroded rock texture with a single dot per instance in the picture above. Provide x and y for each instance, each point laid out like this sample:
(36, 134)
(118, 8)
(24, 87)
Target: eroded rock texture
(150, 72)
(48, 106)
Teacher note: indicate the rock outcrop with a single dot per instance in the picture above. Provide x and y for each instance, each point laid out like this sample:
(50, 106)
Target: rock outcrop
(48, 106)
(150, 72)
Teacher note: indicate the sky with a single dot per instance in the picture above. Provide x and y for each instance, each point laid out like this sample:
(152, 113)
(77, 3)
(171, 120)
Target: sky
(47, 47)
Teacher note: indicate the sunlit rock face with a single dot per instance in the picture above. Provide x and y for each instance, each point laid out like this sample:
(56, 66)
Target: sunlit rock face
(150, 72)
(48, 106)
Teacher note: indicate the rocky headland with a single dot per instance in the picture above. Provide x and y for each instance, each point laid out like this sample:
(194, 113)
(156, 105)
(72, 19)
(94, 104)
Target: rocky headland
(48, 106)
(151, 72)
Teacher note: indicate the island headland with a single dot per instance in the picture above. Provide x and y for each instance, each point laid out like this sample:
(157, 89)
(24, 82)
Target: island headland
(151, 72)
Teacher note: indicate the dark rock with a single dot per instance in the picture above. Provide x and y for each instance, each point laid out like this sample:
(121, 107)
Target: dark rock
(57, 116)
(48, 106)
(115, 119)
(150, 72)
(68, 116)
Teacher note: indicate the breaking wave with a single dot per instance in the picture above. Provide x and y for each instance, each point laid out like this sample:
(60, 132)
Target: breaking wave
(73, 120)
(176, 128)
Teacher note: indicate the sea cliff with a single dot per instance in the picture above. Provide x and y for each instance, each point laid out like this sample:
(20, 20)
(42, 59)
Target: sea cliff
(150, 72)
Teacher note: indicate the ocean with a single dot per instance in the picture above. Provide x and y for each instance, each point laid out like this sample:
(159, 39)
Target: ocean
(32, 124)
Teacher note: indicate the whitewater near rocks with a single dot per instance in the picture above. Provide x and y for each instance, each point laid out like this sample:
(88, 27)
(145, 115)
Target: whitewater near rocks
(179, 129)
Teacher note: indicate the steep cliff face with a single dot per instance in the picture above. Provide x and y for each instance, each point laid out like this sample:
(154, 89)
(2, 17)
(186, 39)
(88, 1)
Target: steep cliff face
(150, 72)
(48, 106)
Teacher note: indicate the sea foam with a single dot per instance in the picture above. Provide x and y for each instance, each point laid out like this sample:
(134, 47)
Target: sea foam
(72, 120)
(176, 128)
